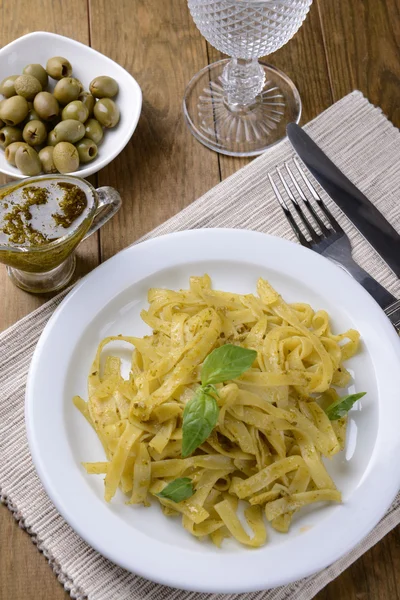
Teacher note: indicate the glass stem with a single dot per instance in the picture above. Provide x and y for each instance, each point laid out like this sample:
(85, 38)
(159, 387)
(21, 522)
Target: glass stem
(242, 80)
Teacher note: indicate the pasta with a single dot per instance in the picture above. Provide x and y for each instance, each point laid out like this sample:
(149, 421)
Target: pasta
(270, 429)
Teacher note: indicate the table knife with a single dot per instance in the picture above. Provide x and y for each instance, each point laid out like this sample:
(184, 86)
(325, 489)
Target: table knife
(355, 205)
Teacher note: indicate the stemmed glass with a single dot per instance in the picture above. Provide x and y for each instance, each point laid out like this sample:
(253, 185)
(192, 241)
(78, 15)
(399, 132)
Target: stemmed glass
(240, 106)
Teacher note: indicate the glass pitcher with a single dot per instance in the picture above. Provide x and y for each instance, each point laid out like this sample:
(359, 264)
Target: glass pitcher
(50, 266)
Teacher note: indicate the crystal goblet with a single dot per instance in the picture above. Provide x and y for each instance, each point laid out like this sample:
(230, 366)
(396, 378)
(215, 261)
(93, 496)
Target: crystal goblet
(240, 106)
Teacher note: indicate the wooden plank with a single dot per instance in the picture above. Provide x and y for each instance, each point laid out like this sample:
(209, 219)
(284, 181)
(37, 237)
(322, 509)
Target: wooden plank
(24, 572)
(375, 576)
(303, 60)
(16, 19)
(362, 40)
(163, 168)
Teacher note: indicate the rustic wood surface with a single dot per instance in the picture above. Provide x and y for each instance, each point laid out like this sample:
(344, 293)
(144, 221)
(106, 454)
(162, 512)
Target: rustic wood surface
(343, 45)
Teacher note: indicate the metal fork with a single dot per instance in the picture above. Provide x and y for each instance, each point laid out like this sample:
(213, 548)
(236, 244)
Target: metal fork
(327, 239)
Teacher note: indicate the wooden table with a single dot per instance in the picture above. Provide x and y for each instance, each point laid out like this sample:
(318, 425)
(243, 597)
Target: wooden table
(343, 45)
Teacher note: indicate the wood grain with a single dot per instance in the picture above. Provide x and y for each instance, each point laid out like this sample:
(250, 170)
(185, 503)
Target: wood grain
(163, 168)
(375, 576)
(362, 40)
(24, 572)
(341, 46)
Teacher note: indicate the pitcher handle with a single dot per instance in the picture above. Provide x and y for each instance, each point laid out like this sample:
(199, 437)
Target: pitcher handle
(108, 205)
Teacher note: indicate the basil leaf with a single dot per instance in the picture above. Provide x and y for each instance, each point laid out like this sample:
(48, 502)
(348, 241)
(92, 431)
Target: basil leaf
(178, 490)
(341, 406)
(210, 388)
(225, 363)
(199, 419)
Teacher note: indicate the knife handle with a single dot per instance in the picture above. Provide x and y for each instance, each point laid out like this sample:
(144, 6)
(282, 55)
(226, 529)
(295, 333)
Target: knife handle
(384, 298)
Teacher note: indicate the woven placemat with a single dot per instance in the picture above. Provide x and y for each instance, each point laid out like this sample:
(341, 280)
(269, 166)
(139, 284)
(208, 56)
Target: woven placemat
(359, 138)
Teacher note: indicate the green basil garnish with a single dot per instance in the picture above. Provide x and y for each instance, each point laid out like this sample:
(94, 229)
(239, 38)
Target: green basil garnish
(199, 419)
(225, 363)
(178, 490)
(201, 412)
(341, 406)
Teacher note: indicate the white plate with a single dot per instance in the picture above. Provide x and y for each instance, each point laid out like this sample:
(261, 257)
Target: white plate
(108, 302)
(87, 64)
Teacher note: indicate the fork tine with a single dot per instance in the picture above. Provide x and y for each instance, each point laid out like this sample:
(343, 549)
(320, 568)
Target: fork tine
(310, 207)
(297, 231)
(305, 221)
(317, 198)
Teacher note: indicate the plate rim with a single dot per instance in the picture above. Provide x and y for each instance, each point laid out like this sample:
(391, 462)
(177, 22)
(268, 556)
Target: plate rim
(166, 578)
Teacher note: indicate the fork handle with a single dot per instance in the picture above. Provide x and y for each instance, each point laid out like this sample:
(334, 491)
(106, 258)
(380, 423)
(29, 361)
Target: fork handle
(393, 314)
(377, 291)
(385, 299)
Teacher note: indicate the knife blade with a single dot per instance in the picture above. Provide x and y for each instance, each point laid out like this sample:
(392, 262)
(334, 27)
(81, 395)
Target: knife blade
(355, 205)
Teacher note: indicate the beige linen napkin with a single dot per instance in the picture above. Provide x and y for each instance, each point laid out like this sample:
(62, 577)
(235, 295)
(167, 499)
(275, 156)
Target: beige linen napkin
(367, 147)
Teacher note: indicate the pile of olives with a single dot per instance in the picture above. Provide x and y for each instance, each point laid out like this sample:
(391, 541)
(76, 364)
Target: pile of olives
(54, 132)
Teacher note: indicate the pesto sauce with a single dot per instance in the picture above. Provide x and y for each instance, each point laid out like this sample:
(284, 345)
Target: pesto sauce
(34, 215)
(72, 204)
(20, 227)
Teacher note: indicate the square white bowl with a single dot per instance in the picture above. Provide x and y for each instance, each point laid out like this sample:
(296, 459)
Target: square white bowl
(87, 64)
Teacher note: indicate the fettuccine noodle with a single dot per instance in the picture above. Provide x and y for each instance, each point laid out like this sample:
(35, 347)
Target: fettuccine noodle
(272, 430)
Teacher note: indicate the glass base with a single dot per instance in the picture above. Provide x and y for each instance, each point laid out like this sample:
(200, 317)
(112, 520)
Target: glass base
(42, 283)
(234, 129)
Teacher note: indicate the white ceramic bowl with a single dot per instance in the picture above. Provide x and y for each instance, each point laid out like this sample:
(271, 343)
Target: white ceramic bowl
(38, 47)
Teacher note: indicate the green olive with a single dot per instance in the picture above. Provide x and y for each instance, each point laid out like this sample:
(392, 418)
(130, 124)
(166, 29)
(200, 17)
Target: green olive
(87, 150)
(106, 112)
(32, 116)
(7, 86)
(75, 110)
(94, 131)
(88, 100)
(103, 87)
(27, 86)
(46, 106)
(14, 110)
(51, 138)
(8, 135)
(66, 157)
(67, 90)
(28, 161)
(11, 150)
(79, 82)
(69, 131)
(46, 158)
(39, 72)
(58, 67)
(35, 133)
